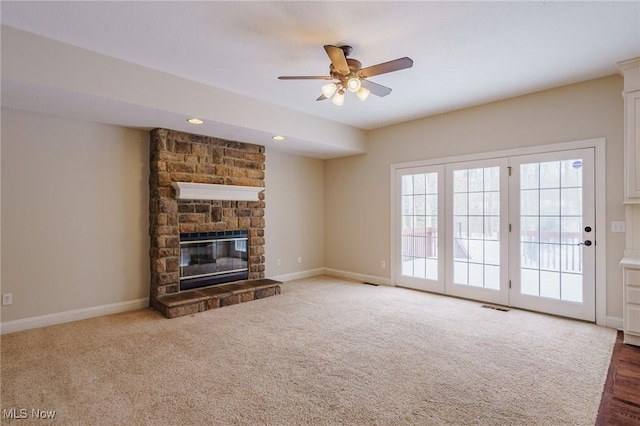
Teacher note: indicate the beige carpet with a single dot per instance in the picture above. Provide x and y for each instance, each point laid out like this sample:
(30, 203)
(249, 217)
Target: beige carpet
(325, 351)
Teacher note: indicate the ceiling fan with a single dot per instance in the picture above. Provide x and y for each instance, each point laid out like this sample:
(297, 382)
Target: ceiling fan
(351, 76)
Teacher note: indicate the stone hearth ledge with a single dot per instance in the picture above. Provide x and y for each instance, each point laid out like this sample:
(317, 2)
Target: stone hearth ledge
(214, 192)
(202, 299)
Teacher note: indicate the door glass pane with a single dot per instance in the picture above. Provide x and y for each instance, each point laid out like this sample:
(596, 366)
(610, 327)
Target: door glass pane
(571, 201)
(419, 184)
(461, 227)
(549, 202)
(571, 173)
(550, 174)
(476, 203)
(475, 275)
(492, 228)
(530, 255)
(492, 277)
(419, 204)
(571, 287)
(420, 225)
(407, 185)
(476, 180)
(550, 284)
(476, 250)
(550, 229)
(530, 282)
(432, 183)
(460, 203)
(529, 228)
(492, 252)
(529, 202)
(476, 227)
(460, 273)
(460, 181)
(492, 179)
(529, 176)
(492, 203)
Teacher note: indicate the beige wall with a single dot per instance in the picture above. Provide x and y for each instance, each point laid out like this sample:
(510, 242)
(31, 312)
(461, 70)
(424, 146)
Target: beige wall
(357, 216)
(66, 181)
(294, 214)
(74, 214)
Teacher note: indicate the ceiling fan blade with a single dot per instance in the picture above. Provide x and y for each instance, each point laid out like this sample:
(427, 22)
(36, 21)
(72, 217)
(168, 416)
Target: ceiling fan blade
(321, 97)
(385, 67)
(375, 88)
(305, 77)
(338, 59)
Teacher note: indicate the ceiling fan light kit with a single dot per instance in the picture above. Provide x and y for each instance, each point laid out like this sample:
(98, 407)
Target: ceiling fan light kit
(350, 75)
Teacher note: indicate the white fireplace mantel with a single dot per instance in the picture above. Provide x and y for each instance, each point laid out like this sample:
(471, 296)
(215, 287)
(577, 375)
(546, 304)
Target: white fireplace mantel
(207, 191)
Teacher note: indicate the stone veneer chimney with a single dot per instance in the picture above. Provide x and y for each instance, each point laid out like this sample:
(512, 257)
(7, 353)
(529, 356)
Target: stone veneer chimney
(183, 157)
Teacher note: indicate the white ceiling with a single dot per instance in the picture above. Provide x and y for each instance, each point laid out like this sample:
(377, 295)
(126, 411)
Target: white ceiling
(465, 53)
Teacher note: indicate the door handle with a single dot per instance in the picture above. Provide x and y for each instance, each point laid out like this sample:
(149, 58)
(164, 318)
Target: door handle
(586, 243)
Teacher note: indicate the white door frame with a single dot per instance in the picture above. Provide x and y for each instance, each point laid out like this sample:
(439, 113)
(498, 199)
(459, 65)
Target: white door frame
(599, 145)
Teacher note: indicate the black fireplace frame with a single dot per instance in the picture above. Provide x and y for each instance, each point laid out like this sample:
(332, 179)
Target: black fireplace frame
(187, 283)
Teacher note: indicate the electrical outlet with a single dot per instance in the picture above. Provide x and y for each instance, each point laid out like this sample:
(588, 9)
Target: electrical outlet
(300, 259)
(279, 262)
(383, 264)
(7, 299)
(618, 226)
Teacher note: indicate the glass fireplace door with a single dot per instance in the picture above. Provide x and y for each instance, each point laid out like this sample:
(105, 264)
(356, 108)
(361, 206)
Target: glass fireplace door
(213, 258)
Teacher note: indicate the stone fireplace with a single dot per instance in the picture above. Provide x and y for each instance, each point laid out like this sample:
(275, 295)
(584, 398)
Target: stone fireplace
(179, 160)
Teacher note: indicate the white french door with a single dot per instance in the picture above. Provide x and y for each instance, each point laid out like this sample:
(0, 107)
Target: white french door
(476, 228)
(421, 225)
(553, 233)
(515, 230)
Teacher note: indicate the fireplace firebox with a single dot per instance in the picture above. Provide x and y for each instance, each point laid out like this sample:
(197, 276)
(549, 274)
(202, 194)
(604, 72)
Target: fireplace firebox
(210, 258)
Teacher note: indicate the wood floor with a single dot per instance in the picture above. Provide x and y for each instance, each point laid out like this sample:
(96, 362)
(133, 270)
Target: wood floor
(621, 398)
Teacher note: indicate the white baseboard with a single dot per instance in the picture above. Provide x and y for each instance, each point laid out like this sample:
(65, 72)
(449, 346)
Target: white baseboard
(132, 305)
(358, 277)
(299, 275)
(615, 322)
(69, 316)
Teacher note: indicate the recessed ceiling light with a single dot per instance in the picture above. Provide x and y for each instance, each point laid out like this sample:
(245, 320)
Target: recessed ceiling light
(278, 138)
(195, 121)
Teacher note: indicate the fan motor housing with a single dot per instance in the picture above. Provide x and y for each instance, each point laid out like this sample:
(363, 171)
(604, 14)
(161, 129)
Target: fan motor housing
(354, 66)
